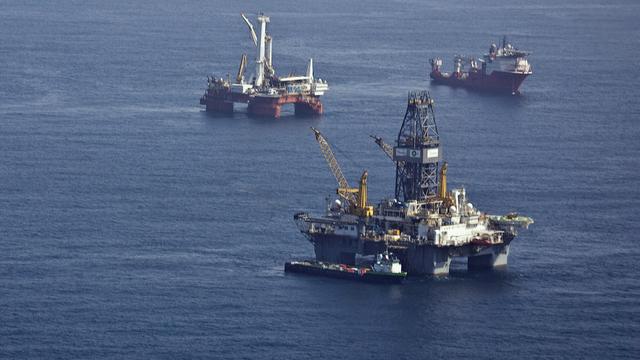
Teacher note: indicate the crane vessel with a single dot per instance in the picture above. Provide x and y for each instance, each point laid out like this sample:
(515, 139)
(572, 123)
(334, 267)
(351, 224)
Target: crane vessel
(425, 224)
(502, 69)
(265, 92)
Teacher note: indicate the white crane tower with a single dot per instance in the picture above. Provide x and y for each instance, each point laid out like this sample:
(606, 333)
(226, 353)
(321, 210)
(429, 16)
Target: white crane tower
(264, 65)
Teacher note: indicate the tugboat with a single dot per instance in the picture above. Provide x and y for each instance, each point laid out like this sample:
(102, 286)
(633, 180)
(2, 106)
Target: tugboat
(386, 269)
(501, 70)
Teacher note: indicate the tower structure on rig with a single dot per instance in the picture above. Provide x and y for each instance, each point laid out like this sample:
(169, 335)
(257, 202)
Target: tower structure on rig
(417, 151)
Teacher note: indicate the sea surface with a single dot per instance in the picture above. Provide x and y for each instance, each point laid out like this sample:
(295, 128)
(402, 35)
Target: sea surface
(135, 225)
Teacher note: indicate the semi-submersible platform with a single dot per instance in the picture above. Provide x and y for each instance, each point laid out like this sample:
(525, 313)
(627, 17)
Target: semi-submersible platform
(425, 225)
(265, 93)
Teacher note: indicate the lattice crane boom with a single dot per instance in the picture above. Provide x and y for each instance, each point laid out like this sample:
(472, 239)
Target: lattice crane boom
(388, 149)
(241, 69)
(343, 185)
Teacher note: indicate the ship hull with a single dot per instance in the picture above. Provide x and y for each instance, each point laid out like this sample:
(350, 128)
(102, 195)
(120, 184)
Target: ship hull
(262, 106)
(497, 81)
(369, 276)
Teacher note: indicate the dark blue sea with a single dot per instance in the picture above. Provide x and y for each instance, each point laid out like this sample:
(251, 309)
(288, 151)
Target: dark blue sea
(135, 225)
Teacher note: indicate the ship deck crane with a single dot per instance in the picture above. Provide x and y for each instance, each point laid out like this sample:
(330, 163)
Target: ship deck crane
(241, 69)
(355, 197)
(388, 149)
(264, 45)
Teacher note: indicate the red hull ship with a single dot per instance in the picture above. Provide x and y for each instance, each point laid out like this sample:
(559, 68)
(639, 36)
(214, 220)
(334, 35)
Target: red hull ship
(265, 93)
(501, 70)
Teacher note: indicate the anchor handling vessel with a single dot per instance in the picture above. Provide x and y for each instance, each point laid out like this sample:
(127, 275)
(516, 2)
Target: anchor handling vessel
(502, 70)
(265, 92)
(424, 224)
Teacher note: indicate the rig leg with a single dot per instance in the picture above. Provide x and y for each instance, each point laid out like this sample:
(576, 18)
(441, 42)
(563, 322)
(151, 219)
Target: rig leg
(216, 105)
(496, 257)
(308, 108)
(428, 260)
(340, 250)
(264, 108)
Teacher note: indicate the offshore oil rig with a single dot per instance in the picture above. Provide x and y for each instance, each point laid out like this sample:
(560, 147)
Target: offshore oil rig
(265, 93)
(425, 225)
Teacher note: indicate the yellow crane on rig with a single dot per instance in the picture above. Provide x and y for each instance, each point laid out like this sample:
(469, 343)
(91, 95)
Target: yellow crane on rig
(356, 198)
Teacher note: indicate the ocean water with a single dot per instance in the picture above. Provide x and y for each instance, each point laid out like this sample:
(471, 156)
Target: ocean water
(135, 225)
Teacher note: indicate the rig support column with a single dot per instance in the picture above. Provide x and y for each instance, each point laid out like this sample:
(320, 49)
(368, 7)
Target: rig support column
(268, 107)
(308, 106)
(428, 260)
(336, 250)
(217, 105)
(497, 256)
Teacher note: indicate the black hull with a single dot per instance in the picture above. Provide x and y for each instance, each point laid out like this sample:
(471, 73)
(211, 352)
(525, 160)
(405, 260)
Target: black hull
(495, 82)
(370, 277)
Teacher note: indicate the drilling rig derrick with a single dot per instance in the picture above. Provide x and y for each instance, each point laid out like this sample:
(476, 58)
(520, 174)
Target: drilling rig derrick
(417, 151)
